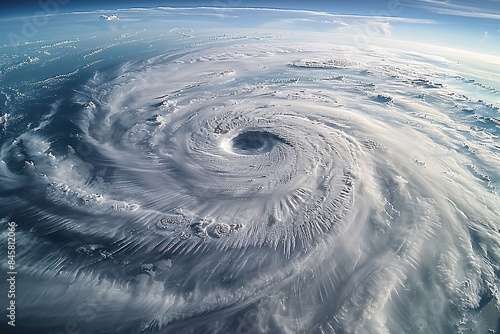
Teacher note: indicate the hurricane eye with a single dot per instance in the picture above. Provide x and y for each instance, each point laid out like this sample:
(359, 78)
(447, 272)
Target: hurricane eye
(255, 142)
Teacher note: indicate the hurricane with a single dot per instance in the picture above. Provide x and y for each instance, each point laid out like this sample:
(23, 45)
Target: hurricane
(192, 180)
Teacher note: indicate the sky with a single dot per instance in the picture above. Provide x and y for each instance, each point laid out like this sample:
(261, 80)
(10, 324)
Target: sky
(459, 24)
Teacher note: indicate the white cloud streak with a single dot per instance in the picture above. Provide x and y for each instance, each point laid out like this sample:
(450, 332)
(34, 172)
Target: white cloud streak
(488, 10)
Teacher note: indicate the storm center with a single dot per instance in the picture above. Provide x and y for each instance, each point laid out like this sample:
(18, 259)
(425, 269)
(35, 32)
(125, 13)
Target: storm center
(255, 142)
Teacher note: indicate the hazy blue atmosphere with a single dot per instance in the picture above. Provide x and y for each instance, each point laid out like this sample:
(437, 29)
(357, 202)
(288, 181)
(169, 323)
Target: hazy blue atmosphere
(462, 24)
(235, 167)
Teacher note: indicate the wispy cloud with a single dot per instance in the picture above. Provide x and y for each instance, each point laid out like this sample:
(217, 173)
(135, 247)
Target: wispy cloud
(387, 19)
(485, 36)
(335, 17)
(488, 10)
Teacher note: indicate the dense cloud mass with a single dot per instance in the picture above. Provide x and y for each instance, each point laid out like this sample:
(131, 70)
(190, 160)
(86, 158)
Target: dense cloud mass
(251, 185)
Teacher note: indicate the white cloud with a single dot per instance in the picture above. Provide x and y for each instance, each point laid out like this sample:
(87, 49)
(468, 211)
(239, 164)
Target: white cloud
(334, 17)
(488, 9)
(485, 36)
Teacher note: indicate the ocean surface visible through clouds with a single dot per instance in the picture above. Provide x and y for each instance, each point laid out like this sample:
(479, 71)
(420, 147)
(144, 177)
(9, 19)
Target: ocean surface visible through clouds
(250, 170)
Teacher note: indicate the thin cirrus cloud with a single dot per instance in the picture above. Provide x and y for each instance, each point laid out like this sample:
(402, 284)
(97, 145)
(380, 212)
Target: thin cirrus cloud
(485, 36)
(304, 19)
(312, 17)
(488, 9)
(315, 14)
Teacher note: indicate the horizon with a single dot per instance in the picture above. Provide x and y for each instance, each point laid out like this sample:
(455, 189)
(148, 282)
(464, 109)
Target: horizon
(454, 24)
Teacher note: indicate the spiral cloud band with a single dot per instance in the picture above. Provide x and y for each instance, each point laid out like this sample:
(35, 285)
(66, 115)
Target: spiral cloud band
(258, 186)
